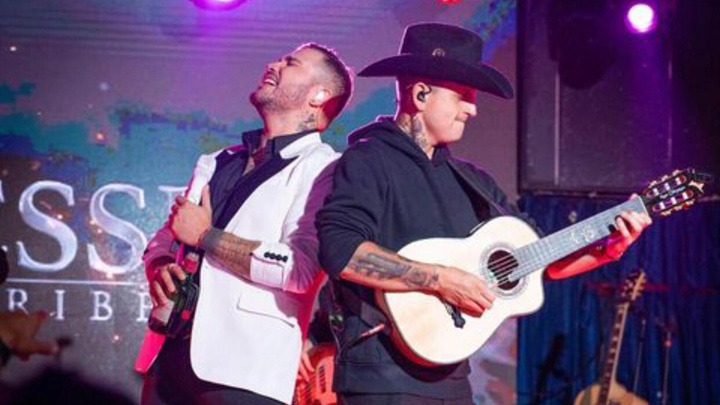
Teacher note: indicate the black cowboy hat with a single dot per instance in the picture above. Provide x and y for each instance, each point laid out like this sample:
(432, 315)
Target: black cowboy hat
(443, 52)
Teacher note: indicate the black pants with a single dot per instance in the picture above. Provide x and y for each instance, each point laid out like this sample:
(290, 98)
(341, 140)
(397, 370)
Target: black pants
(171, 381)
(397, 399)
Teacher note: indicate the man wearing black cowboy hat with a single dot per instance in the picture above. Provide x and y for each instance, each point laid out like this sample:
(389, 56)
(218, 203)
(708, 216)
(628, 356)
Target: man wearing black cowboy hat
(398, 183)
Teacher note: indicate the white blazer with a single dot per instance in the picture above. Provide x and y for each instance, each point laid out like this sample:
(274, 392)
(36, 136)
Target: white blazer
(249, 333)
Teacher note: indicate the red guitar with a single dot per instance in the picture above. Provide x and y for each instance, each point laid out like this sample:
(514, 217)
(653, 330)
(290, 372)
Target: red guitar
(318, 389)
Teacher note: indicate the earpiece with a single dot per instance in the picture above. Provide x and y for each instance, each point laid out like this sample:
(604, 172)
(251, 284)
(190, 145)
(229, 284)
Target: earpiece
(319, 96)
(421, 95)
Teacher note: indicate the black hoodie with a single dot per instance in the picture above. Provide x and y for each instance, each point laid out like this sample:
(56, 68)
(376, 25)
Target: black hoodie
(389, 192)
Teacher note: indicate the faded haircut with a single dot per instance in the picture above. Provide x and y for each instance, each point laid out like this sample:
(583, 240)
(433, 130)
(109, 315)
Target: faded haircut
(340, 77)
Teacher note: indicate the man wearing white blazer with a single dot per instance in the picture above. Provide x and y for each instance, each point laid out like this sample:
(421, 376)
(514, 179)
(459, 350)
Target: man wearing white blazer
(249, 209)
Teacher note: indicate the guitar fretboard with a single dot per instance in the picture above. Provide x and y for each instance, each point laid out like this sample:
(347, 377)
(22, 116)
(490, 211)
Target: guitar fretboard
(539, 254)
(611, 359)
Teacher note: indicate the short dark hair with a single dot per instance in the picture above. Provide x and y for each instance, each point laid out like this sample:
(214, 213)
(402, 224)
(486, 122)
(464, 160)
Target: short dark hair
(341, 76)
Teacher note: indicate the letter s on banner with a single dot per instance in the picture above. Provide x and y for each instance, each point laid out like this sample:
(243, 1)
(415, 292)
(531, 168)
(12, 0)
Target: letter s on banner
(115, 226)
(48, 225)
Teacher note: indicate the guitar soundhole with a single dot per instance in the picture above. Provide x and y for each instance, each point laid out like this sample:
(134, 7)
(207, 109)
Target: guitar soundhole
(502, 264)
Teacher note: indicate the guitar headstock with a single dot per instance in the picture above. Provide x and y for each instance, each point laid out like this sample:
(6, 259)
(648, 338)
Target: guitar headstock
(674, 192)
(633, 286)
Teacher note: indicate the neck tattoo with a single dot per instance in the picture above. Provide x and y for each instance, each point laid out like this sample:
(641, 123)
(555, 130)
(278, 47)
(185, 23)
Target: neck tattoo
(308, 124)
(415, 130)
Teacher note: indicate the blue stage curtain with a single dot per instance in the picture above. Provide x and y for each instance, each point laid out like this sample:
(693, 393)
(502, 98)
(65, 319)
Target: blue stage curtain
(561, 347)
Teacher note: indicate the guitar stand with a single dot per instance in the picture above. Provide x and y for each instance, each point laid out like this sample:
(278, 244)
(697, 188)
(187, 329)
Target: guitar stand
(668, 329)
(667, 344)
(638, 357)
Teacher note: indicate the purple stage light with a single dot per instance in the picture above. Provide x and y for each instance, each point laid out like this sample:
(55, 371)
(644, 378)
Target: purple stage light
(217, 4)
(641, 18)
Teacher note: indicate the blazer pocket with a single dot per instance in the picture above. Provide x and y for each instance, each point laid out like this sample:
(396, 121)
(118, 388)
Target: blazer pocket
(264, 303)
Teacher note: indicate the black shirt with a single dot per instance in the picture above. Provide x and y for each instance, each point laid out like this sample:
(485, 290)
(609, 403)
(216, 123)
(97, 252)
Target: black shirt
(230, 186)
(387, 191)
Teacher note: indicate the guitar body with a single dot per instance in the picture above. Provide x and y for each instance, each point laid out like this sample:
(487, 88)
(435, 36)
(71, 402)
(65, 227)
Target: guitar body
(318, 389)
(618, 396)
(431, 333)
(424, 330)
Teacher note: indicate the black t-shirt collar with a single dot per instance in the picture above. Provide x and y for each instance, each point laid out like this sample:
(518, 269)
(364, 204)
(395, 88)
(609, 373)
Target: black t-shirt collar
(252, 139)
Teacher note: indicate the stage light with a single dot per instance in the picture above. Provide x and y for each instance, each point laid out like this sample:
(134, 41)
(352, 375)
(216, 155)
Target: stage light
(217, 4)
(641, 18)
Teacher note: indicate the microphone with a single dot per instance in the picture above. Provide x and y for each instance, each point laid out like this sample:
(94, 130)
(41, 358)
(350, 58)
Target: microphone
(201, 177)
(173, 318)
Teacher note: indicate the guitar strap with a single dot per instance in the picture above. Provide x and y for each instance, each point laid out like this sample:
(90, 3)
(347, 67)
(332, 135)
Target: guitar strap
(466, 177)
(355, 305)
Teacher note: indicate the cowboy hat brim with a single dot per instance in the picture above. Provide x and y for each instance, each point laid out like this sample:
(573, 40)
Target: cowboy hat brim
(481, 77)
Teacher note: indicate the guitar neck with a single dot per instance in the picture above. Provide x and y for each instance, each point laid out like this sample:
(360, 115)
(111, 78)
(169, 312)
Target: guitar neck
(611, 359)
(538, 255)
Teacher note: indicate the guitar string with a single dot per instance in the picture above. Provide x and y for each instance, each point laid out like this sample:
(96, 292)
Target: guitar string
(507, 264)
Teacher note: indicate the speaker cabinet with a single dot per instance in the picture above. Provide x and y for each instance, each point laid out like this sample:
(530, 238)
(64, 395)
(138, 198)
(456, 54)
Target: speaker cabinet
(604, 110)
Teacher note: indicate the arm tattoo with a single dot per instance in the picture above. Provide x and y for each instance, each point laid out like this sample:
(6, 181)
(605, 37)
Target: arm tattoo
(232, 251)
(391, 266)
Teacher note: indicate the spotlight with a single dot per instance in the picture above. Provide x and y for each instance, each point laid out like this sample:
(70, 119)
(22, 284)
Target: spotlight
(641, 18)
(217, 4)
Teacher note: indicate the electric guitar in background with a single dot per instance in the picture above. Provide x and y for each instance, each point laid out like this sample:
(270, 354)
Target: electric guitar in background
(607, 391)
(318, 389)
(509, 256)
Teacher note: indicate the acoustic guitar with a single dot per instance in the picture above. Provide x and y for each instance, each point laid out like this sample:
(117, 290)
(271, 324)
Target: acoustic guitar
(318, 389)
(508, 255)
(607, 391)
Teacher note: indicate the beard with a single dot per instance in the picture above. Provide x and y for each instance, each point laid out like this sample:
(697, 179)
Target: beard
(279, 98)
